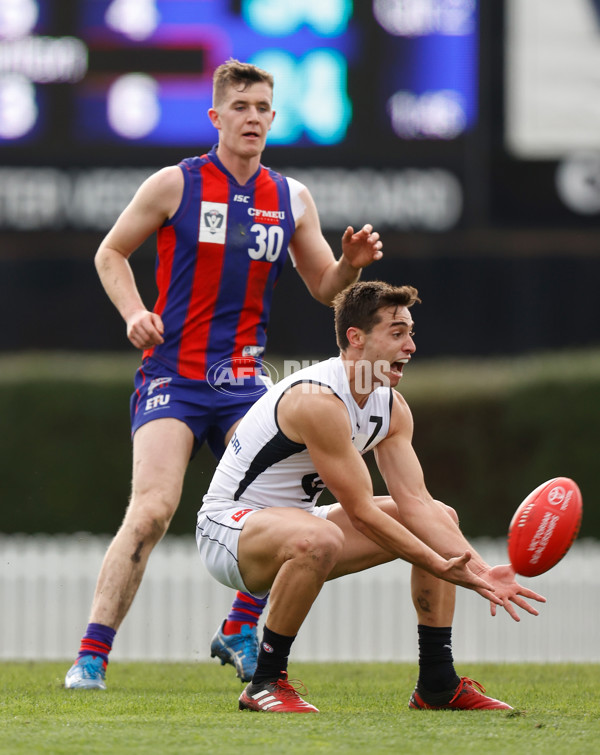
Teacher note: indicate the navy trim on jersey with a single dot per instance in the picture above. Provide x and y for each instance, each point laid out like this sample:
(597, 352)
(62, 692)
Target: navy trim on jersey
(300, 382)
(377, 429)
(278, 448)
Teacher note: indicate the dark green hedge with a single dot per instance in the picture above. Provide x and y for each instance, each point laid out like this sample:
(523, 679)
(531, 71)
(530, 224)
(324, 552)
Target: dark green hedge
(65, 452)
(485, 455)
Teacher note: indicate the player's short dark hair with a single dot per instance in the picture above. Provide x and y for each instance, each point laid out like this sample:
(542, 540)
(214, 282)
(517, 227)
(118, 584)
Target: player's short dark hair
(239, 75)
(359, 305)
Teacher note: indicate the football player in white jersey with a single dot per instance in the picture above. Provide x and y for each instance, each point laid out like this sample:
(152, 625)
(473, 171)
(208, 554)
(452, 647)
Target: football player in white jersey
(259, 529)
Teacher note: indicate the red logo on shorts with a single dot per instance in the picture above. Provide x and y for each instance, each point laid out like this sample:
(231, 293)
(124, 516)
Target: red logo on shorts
(239, 514)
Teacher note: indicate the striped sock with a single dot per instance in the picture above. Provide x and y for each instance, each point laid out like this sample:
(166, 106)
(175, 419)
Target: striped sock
(246, 609)
(97, 640)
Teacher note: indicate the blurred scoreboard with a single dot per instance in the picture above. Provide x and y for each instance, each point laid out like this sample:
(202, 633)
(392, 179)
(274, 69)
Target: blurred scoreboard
(119, 75)
(374, 84)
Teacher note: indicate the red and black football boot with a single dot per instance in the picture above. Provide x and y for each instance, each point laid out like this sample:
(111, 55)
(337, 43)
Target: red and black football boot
(274, 697)
(467, 696)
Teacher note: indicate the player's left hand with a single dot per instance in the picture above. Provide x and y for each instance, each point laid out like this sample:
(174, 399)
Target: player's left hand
(510, 591)
(361, 248)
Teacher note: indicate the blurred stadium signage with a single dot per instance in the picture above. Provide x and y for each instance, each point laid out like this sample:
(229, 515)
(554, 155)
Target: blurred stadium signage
(49, 198)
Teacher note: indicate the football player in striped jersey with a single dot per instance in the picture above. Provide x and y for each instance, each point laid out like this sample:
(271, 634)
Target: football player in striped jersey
(225, 225)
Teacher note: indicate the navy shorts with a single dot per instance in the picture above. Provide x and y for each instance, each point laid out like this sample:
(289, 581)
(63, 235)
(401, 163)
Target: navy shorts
(208, 410)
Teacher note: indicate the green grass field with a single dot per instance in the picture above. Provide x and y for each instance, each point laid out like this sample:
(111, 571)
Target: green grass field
(192, 708)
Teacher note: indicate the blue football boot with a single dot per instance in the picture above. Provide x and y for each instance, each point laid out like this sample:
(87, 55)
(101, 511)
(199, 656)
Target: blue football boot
(241, 650)
(88, 672)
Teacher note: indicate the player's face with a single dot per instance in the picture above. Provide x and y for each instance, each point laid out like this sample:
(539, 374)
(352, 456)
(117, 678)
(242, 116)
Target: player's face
(243, 119)
(389, 345)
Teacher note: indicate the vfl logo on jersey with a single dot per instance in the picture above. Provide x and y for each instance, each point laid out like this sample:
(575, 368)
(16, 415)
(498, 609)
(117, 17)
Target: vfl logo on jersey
(213, 222)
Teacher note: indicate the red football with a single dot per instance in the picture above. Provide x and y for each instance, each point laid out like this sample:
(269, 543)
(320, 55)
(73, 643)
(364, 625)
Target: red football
(544, 526)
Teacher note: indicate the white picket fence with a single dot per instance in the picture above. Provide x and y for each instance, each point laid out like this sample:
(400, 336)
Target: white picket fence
(47, 582)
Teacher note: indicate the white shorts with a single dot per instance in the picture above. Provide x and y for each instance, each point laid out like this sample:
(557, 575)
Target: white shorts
(217, 536)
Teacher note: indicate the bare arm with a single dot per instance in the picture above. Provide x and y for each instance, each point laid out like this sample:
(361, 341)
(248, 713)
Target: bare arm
(156, 200)
(321, 422)
(323, 275)
(431, 520)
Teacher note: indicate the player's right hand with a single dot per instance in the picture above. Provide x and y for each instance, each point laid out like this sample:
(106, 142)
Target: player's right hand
(459, 573)
(510, 591)
(145, 329)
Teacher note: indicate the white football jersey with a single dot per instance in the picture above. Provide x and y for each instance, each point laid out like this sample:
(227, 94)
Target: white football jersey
(264, 468)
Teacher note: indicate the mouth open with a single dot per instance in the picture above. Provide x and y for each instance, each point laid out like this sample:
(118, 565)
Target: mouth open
(398, 366)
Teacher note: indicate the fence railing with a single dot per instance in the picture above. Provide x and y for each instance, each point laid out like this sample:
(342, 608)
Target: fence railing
(47, 583)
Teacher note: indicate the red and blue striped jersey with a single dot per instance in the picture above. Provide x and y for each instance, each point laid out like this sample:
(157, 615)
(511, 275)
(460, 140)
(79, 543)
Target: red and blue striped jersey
(219, 258)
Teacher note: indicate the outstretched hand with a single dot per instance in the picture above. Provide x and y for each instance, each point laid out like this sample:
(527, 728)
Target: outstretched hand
(496, 583)
(459, 573)
(510, 591)
(361, 248)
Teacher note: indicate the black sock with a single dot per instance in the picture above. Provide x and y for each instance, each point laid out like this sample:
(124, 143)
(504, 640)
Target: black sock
(272, 656)
(436, 665)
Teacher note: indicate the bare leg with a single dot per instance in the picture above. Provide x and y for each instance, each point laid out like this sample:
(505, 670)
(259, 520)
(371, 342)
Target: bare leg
(433, 599)
(291, 552)
(161, 452)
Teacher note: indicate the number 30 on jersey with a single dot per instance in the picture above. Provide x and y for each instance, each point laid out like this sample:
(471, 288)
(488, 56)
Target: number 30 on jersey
(269, 241)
